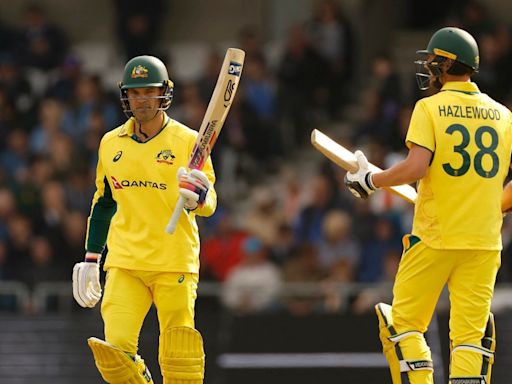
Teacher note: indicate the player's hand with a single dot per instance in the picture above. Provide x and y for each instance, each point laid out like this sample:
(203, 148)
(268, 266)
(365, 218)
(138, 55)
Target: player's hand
(193, 187)
(86, 281)
(360, 183)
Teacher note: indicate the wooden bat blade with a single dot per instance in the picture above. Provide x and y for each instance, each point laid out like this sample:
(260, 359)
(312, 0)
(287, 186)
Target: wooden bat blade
(334, 151)
(218, 108)
(213, 120)
(347, 160)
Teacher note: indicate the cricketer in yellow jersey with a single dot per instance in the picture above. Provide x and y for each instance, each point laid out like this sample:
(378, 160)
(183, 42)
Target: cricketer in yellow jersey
(460, 142)
(136, 191)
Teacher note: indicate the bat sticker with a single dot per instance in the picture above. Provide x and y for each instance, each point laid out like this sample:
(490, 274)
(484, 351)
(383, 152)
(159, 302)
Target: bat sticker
(228, 93)
(234, 68)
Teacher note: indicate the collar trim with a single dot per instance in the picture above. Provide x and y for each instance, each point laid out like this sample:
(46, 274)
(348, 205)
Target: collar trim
(467, 87)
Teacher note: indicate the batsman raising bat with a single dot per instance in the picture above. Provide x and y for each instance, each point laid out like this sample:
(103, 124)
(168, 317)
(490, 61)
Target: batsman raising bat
(460, 142)
(140, 176)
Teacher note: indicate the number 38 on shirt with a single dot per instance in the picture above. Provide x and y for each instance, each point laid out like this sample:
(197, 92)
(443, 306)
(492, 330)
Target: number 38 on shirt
(486, 140)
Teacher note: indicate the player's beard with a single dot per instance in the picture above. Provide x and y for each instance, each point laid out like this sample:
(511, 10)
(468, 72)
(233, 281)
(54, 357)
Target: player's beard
(435, 83)
(145, 114)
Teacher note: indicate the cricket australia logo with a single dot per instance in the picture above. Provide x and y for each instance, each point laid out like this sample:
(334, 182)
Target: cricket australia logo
(165, 156)
(139, 71)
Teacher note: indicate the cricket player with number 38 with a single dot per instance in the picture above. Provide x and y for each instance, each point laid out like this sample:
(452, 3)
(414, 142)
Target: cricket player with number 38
(460, 143)
(135, 196)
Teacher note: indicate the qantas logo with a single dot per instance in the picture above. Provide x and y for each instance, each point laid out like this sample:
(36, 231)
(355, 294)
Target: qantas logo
(137, 183)
(116, 183)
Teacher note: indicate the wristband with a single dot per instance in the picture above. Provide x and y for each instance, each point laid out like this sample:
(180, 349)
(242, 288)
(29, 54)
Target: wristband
(92, 257)
(369, 181)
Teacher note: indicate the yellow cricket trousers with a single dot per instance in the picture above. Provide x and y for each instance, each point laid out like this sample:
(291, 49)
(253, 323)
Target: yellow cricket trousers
(421, 276)
(129, 295)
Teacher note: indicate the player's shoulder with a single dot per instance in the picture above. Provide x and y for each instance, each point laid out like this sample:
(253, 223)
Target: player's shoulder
(180, 130)
(436, 98)
(112, 135)
(504, 110)
(422, 105)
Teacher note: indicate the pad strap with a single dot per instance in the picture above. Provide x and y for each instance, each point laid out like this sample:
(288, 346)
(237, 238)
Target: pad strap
(416, 365)
(411, 365)
(401, 336)
(474, 348)
(468, 380)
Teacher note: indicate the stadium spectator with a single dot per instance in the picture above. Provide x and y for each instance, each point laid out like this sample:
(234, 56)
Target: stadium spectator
(16, 85)
(384, 242)
(14, 159)
(382, 98)
(3, 260)
(260, 101)
(254, 284)
(42, 266)
(49, 125)
(264, 218)
(208, 79)
(303, 87)
(495, 78)
(89, 98)
(7, 211)
(333, 38)
(308, 224)
(18, 246)
(62, 85)
(72, 240)
(222, 250)
(139, 26)
(51, 221)
(8, 40)
(302, 267)
(338, 252)
(41, 45)
(250, 41)
(8, 114)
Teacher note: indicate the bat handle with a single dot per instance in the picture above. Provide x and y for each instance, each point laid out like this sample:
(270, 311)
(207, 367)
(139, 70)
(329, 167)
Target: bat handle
(173, 221)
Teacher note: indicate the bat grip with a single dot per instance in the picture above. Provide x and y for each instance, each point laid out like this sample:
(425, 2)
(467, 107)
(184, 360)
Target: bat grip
(173, 221)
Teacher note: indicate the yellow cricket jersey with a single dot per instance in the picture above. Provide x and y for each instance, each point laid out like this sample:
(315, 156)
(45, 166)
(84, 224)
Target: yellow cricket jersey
(459, 199)
(136, 192)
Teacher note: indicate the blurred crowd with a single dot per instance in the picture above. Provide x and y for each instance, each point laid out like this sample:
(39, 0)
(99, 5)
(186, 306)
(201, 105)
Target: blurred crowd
(280, 218)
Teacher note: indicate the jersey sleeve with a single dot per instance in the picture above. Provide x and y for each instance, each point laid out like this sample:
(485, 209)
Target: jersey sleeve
(421, 128)
(102, 209)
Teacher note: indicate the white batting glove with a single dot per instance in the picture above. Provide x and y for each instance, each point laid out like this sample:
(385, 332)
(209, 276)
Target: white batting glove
(86, 281)
(360, 183)
(193, 187)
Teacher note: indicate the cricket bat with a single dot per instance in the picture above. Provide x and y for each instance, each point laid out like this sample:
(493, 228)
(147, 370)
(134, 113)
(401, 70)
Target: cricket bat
(213, 120)
(347, 160)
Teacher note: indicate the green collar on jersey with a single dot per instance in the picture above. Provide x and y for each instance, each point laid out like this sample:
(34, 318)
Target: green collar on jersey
(133, 136)
(461, 86)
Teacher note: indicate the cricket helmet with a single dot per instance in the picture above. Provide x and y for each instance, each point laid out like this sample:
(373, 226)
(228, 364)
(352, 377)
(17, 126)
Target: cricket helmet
(449, 43)
(144, 72)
